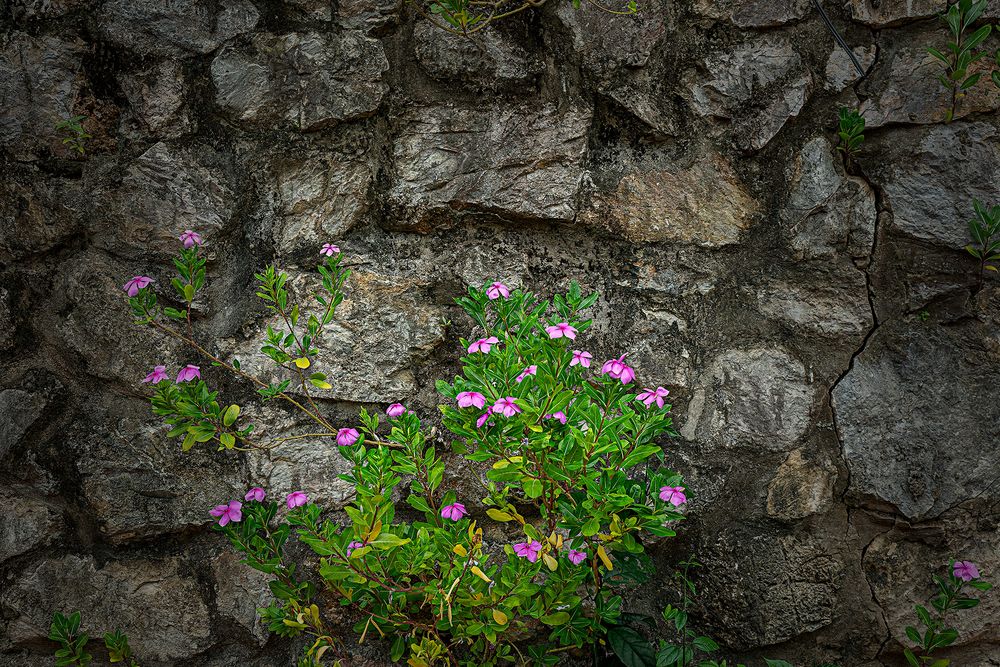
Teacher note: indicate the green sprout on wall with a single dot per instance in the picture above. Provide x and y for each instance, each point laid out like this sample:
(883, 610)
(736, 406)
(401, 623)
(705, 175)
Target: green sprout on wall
(961, 51)
(985, 232)
(72, 651)
(465, 17)
(852, 124)
(77, 136)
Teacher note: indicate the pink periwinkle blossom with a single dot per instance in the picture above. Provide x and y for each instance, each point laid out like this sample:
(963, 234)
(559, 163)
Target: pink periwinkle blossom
(650, 396)
(256, 493)
(354, 545)
(558, 416)
(576, 557)
(563, 329)
(673, 495)
(329, 250)
(395, 410)
(188, 373)
(485, 417)
(528, 550)
(190, 238)
(296, 499)
(497, 290)
(347, 437)
(226, 513)
(469, 399)
(158, 375)
(506, 406)
(965, 570)
(455, 511)
(581, 357)
(618, 369)
(483, 345)
(133, 286)
(530, 370)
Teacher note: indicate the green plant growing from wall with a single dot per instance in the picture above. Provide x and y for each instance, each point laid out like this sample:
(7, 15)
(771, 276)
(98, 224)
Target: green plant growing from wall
(955, 591)
(851, 126)
(78, 136)
(467, 17)
(985, 232)
(961, 51)
(72, 650)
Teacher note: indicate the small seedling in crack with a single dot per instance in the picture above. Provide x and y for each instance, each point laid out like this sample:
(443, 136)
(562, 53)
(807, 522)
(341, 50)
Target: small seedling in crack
(852, 124)
(961, 51)
(985, 232)
(77, 135)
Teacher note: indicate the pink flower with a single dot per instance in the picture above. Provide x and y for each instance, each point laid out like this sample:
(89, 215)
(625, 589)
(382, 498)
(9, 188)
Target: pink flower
(506, 406)
(560, 330)
(528, 550)
(188, 373)
(650, 396)
(133, 286)
(485, 417)
(256, 493)
(965, 570)
(329, 250)
(347, 437)
(455, 511)
(558, 416)
(530, 370)
(190, 238)
(497, 290)
(395, 410)
(354, 545)
(226, 513)
(483, 345)
(581, 357)
(618, 369)
(159, 374)
(296, 499)
(673, 495)
(577, 557)
(468, 399)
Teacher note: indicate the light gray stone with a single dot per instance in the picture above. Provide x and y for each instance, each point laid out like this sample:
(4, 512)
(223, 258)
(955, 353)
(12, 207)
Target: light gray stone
(308, 465)
(840, 70)
(882, 13)
(508, 162)
(931, 191)
(754, 13)
(609, 42)
(369, 15)
(41, 84)
(756, 398)
(157, 98)
(175, 27)
(29, 522)
(827, 213)
(758, 86)
(38, 214)
(800, 488)
(705, 204)
(163, 192)
(489, 60)
(835, 306)
(917, 418)
(240, 591)
(306, 80)
(159, 607)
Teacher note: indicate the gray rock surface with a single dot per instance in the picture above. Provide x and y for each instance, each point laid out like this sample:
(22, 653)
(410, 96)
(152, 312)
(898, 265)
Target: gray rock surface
(880, 13)
(175, 27)
(305, 80)
(754, 13)
(489, 60)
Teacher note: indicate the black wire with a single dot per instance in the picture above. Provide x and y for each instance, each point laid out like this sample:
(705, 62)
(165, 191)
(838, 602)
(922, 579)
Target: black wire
(840, 40)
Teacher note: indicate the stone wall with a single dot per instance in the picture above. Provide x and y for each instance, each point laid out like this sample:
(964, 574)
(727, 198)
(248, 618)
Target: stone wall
(832, 355)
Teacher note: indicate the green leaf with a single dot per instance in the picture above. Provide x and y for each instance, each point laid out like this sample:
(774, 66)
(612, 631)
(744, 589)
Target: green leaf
(189, 292)
(227, 440)
(558, 618)
(631, 647)
(231, 414)
(532, 487)
(910, 658)
(705, 644)
(591, 527)
(188, 442)
(389, 541)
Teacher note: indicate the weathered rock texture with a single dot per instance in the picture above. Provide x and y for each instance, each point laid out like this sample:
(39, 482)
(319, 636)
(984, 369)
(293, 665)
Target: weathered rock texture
(832, 351)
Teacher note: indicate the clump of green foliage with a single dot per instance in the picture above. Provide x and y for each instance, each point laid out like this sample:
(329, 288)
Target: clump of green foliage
(961, 51)
(72, 651)
(985, 232)
(954, 592)
(851, 128)
(78, 136)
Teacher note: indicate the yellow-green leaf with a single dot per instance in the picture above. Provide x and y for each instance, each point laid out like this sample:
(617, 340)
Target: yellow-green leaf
(497, 515)
(499, 617)
(460, 550)
(322, 384)
(227, 440)
(188, 442)
(550, 561)
(231, 414)
(603, 555)
(189, 292)
(558, 618)
(479, 573)
(302, 362)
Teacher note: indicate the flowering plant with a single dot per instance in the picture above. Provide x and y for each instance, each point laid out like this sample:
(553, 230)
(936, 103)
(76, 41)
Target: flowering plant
(572, 489)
